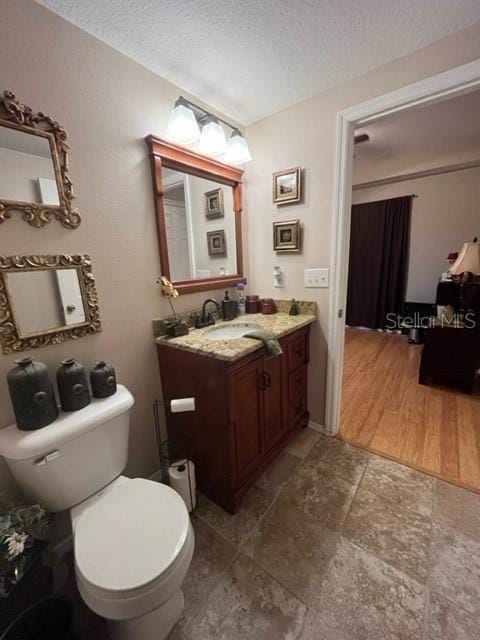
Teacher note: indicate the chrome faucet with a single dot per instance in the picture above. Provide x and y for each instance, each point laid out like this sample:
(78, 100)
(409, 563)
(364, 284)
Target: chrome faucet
(206, 318)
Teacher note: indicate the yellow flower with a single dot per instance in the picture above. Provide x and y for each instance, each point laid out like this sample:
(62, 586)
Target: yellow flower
(167, 287)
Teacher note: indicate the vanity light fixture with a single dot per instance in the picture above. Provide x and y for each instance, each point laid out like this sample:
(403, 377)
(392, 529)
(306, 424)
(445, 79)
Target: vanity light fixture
(237, 150)
(213, 139)
(184, 127)
(182, 124)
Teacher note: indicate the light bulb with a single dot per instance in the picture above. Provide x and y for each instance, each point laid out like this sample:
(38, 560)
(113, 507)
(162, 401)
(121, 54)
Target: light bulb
(213, 139)
(182, 125)
(237, 150)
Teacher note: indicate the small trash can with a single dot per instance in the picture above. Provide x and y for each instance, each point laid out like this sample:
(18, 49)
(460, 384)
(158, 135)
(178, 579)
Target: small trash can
(48, 619)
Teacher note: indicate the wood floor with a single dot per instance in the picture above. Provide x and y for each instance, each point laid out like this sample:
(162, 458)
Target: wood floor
(385, 410)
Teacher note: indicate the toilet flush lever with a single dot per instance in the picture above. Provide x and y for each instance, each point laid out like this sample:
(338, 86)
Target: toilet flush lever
(53, 455)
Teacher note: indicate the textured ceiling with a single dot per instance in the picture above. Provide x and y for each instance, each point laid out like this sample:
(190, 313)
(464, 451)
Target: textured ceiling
(429, 133)
(250, 58)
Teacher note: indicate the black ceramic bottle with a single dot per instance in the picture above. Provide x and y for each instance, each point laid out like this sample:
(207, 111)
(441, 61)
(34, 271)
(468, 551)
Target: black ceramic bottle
(103, 380)
(32, 394)
(72, 385)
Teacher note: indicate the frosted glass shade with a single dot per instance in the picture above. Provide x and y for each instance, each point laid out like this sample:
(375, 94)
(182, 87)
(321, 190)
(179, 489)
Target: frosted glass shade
(213, 139)
(237, 151)
(468, 260)
(182, 125)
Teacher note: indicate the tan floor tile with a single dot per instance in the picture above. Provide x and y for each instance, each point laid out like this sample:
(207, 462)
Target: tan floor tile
(294, 548)
(211, 557)
(455, 571)
(396, 535)
(367, 599)
(248, 604)
(457, 508)
(449, 621)
(278, 474)
(316, 629)
(303, 442)
(401, 485)
(320, 494)
(236, 528)
(338, 458)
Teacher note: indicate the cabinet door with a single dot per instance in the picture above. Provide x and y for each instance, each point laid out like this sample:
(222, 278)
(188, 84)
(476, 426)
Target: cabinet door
(273, 394)
(246, 399)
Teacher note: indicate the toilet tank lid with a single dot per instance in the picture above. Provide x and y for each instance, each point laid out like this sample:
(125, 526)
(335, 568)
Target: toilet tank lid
(16, 444)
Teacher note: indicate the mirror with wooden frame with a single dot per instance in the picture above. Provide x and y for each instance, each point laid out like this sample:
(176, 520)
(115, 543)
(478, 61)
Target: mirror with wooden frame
(198, 203)
(46, 300)
(34, 178)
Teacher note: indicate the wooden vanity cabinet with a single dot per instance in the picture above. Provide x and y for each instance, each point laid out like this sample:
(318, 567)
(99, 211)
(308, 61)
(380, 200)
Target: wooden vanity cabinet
(246, 411)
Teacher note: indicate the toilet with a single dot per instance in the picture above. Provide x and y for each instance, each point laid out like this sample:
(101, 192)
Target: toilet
(133, 540)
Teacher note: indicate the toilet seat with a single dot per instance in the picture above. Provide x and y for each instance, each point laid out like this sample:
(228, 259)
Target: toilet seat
(130, 539)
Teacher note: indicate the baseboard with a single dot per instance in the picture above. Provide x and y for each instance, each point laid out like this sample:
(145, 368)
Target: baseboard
(316, 427)
(157, 476)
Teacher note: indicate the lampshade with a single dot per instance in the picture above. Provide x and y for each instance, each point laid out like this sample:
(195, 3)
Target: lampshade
(468, 260)
(182, 125)
(237, 151)
(213, 139)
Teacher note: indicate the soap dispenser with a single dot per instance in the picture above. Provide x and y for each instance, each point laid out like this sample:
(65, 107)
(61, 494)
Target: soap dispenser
(229, 308)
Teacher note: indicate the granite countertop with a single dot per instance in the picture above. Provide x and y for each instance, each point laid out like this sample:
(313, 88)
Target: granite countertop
(279, 324)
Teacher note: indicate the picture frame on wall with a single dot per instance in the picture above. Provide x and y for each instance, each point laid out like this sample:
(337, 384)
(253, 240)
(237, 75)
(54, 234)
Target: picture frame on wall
(216, 242)
(286, 236)
(214, 206)
(287, 186)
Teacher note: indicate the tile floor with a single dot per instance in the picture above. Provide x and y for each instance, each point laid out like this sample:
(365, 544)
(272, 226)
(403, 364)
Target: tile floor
(334, 543)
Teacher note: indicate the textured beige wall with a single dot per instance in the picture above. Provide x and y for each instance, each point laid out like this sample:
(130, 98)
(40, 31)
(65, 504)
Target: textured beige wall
(107, 103)
(444, 216)
(305, 135)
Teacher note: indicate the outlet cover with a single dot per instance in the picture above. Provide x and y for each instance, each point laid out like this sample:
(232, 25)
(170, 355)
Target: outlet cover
(316, 278)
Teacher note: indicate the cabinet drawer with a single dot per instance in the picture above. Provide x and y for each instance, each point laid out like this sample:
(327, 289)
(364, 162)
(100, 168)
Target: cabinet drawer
(297, 352)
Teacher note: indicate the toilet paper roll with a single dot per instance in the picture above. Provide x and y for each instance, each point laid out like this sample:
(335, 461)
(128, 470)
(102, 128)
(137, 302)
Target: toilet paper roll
(178, 475)
(182, 404)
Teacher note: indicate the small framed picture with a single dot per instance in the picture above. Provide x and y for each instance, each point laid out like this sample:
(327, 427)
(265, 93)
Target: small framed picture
(286, 236)
(287, 186)
(216, 243)
(214, 204)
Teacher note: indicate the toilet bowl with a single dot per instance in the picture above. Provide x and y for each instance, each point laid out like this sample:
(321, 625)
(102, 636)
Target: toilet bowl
(133, 540)
(133, 545)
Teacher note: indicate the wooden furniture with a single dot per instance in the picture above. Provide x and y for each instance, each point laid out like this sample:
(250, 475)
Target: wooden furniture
(168, 155)
(246, 410)
(451, 355)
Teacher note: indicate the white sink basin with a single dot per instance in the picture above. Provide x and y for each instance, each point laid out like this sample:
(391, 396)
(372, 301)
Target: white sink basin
(230, 332)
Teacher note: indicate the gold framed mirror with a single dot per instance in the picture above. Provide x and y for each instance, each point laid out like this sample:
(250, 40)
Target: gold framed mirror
(34, 178)
(46, 300)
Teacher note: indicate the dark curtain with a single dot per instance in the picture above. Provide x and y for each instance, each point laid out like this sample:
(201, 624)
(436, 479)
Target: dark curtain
(379, 249)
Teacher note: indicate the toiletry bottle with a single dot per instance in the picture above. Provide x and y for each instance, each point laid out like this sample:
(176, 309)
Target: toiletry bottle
(241, 299)
(229, 308)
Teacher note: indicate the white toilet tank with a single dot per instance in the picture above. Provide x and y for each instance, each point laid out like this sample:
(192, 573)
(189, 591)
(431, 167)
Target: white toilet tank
(69, 460)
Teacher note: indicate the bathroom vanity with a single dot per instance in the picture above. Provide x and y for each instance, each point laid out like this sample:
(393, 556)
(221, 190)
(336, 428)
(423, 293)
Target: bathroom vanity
(248, 404)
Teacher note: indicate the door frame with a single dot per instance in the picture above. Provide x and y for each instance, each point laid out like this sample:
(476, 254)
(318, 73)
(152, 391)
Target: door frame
(434, 89)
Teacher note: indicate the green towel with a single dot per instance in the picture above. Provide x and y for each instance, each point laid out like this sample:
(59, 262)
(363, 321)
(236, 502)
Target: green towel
(269, 339)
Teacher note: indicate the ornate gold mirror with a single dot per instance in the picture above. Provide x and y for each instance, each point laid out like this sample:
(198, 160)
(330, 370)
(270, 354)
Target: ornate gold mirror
(46, 300)
(34, 167)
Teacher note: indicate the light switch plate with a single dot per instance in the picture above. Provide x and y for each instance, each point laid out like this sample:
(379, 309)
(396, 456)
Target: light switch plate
(317, 278)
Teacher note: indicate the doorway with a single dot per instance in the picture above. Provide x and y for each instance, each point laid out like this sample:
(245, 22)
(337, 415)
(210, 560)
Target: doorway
(438, 88)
